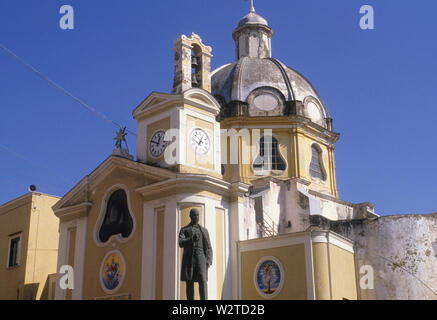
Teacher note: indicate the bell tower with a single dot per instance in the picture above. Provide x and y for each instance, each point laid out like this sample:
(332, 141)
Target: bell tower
(192, 64)
(179, 131)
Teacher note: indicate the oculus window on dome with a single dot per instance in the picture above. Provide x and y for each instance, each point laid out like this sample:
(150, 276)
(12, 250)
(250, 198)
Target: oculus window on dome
(266, 102)
(314, 112)
(118, 219)
(316, 165)
(269, 157)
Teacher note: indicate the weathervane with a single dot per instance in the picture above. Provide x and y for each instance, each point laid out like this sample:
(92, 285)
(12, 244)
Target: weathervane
(120, 138)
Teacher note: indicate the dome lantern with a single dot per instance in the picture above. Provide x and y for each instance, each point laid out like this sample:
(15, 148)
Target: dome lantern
(253, 36)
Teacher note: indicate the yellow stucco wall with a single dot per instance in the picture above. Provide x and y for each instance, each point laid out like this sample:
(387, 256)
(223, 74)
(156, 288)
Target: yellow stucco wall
(304, 143)
(43, 244)
(131, 249)
(334, 273)
(32, 215)
(321, 272)
(13, 219)
(295, 149)
(344, 284)
(293, 260)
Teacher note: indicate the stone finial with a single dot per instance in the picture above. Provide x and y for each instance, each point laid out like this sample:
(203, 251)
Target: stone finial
(252, 8)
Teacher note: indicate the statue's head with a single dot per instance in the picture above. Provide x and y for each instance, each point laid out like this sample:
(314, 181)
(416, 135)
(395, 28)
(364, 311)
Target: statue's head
(194, 216)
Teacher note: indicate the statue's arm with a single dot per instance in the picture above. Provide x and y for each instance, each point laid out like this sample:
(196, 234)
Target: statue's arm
(183, 240)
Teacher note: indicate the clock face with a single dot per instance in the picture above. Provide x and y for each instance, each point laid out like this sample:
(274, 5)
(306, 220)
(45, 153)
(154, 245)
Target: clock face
(158, 144)
(199, 141)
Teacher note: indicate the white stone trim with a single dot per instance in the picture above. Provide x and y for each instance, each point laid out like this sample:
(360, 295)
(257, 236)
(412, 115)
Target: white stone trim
(79, 258)
(309, 261)
(63, 250)
(268, 243)
(148, 258)
(171, 274)
(334, 239)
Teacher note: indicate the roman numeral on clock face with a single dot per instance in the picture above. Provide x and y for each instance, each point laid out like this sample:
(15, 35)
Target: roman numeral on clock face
(158, 144)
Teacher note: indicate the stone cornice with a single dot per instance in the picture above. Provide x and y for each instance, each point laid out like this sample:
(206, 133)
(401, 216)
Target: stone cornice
(16, 203)
(110, 164)
(23, 200)
(73, 212)
(158, 102)
(185, 181)
(285, 122)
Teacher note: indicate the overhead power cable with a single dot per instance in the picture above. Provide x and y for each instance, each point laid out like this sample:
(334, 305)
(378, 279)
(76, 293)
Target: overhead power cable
(62, 89)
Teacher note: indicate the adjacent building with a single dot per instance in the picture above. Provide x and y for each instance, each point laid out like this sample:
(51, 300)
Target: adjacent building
(29, 240)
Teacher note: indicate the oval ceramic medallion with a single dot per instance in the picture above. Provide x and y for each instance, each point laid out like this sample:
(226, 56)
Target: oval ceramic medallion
(269, 277)
(112, 271)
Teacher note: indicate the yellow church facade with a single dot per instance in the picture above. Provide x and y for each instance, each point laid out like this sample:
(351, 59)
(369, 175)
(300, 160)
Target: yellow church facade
(191, 154)
(251, 146)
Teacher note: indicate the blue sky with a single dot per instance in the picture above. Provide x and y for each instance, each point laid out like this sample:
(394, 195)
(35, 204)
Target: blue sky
(379, 85)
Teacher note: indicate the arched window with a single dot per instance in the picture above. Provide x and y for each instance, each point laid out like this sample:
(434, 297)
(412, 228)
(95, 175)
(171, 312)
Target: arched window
(316, 169)
(117, 220)
(269, 158)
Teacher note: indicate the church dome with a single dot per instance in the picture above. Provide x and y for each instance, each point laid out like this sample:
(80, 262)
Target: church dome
(236, 81)
(257, 78)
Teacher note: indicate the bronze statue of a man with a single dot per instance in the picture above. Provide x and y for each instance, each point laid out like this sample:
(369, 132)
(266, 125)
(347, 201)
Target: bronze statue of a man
(197, 257)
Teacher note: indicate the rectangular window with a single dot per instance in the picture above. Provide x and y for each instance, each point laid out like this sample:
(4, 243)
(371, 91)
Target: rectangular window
(14, 251)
